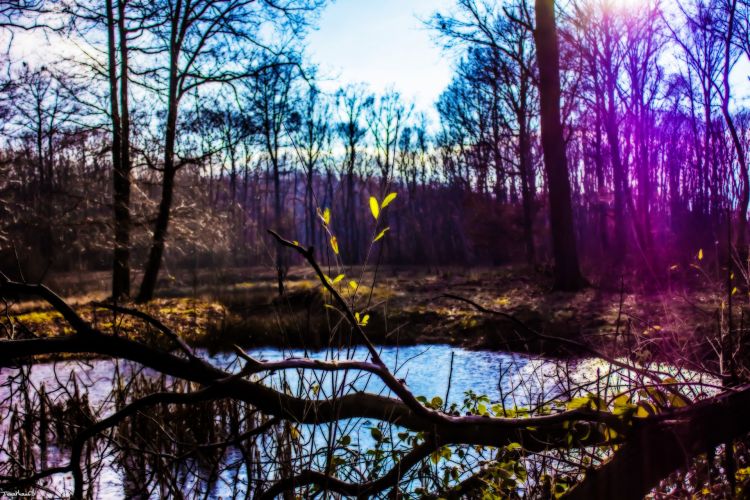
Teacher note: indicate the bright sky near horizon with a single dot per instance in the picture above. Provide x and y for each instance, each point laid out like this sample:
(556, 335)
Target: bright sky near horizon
(383, 43)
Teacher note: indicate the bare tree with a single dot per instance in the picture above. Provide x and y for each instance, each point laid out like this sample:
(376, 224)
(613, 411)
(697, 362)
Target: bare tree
(353, 104)
(312, 141)
(272, 94)
(201, 43)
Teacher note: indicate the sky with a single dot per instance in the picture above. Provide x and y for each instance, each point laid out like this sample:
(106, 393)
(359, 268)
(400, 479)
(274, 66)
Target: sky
(383, 43)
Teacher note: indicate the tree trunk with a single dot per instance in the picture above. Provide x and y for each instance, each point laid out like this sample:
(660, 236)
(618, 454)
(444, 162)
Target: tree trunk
(613, 138)
(599, 162)
(277, 215)
(151, 273)
(310, 198)
(567, 271)
(526, 173)
(741, 232)
(120, 156)
(353, 250)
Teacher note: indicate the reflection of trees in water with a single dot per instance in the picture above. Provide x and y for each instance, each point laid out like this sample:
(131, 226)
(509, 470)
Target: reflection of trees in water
(174, 451)
(179, 449)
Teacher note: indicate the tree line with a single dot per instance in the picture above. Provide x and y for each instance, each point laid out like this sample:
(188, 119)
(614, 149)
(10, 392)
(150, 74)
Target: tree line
(183, 131)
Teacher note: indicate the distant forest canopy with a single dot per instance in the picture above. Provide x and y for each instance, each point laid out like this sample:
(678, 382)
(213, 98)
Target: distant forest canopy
(202, 128)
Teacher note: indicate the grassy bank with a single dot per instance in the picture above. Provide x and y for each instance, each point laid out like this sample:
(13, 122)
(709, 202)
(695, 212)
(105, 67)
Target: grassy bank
(406, 306)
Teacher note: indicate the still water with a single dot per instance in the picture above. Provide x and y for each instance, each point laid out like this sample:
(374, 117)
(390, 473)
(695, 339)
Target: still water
(429, 370)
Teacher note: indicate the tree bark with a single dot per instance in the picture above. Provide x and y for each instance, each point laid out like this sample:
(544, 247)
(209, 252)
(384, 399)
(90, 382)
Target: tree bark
(120, 154)
(151, 272)
(526, 171)
(567, 270)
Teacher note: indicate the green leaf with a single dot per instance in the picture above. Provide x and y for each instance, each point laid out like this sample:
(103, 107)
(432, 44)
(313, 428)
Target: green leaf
(374, 208)
(376, 434)
(514, 446)
(345, 440)
(381, 234)
(388, 199)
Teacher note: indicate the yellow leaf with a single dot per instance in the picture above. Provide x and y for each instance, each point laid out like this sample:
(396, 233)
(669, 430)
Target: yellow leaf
(374, 208)
(338, 278)
(621, 400)
(577, 403)
(381, 234)
(610, 433)
(295, 433)
(361, 320)
(388, 199)
(353, 285)
(700, 254)
(678, 401)
(325, 215)
(335, 245)
(502, 301)
(734, 290)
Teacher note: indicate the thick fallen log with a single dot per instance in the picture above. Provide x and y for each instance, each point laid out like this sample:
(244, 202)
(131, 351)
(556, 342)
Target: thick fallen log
(657, 446)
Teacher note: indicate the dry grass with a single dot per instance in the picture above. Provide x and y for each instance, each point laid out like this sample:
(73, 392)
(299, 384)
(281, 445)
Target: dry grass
(405, 306)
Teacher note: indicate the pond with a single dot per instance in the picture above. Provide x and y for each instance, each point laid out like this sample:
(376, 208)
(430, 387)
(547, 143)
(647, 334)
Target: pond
(443, 371)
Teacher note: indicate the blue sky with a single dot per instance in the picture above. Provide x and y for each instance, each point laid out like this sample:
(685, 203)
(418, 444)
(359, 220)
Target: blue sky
(383, 43)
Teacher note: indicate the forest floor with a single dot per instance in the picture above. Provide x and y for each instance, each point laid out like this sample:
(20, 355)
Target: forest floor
(220, 308)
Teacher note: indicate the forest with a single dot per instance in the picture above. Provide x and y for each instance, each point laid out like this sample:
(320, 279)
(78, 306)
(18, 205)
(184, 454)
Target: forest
(225, 273)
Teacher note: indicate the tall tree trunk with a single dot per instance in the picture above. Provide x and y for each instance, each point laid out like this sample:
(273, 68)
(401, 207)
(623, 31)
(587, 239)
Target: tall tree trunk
(526, 173)
(277, 215)
(613, 138)
(741, 232)
(310, 198)
(641, 138)
(353, 244)
(567, 271)
(151, 272)
(599, 162)
(120, 155)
